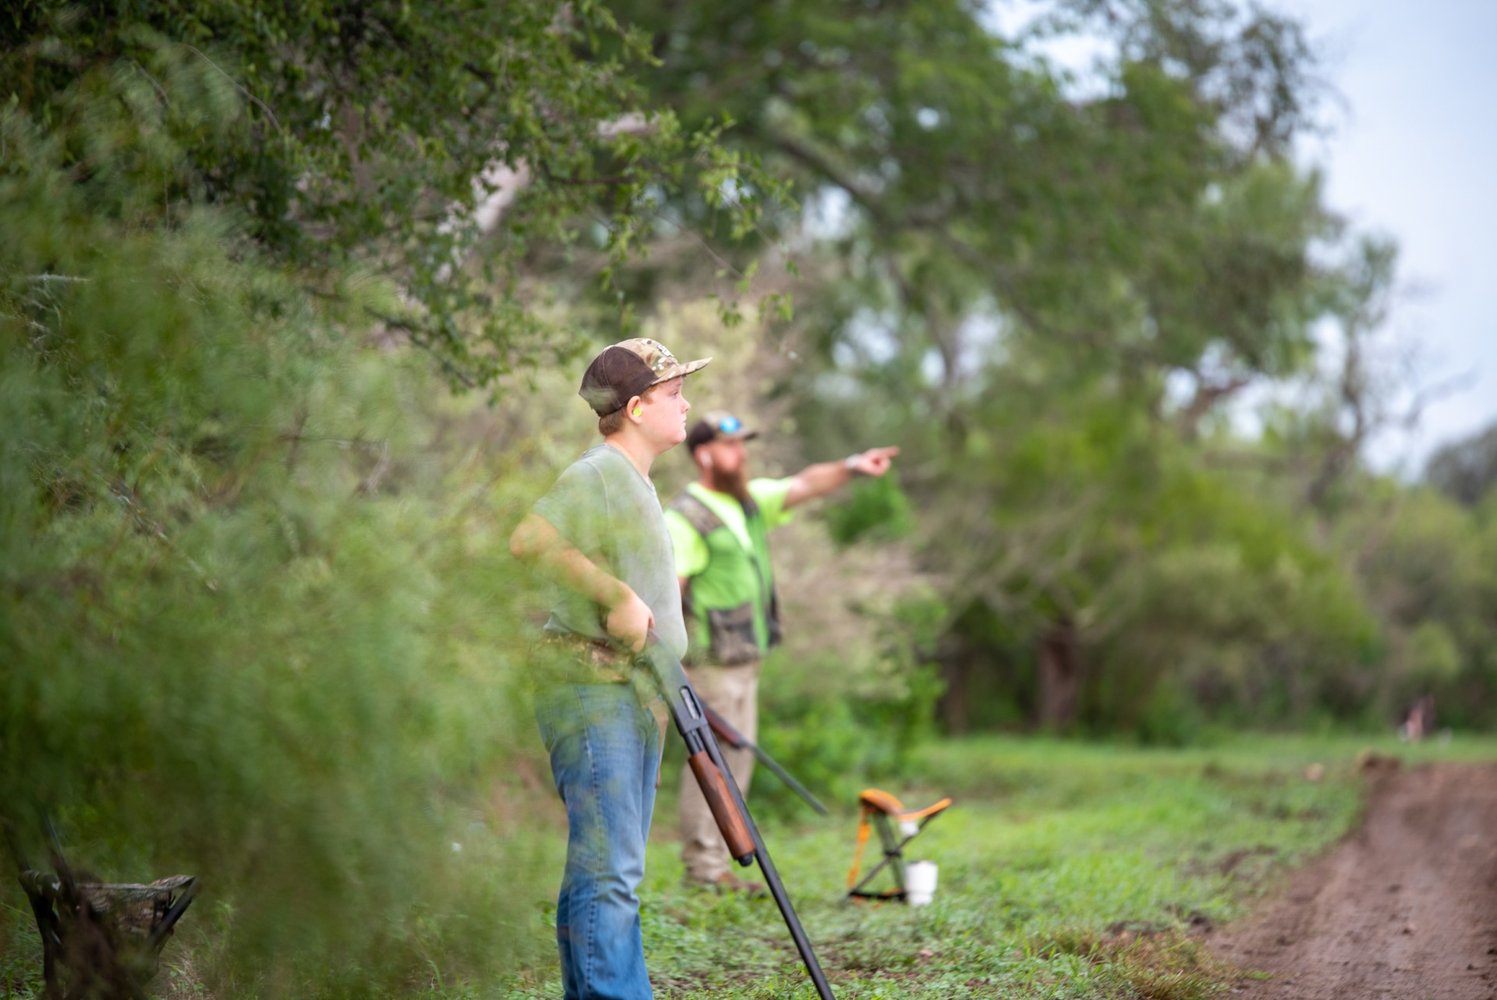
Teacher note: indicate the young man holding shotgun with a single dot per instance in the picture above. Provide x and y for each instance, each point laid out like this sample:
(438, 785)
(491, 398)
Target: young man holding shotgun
(601, 534)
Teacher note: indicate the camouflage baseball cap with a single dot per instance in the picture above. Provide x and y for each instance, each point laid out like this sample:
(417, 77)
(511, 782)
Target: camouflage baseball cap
(624, 370)
(718, 426)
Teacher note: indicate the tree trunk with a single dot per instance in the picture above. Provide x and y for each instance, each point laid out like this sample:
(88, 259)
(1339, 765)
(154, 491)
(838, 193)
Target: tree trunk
(956, 671)
(1060, 675)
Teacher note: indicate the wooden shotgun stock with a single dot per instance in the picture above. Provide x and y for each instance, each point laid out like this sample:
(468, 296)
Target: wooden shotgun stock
(721, 791)
(729, 820)
(702, 752)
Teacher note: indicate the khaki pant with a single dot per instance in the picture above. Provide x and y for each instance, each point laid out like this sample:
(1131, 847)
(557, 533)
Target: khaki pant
(733, 693)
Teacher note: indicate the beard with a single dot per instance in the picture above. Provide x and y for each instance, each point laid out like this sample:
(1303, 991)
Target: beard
(734, 483)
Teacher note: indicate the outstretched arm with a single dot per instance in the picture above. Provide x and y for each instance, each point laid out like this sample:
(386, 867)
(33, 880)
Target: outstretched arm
(824, 477)
(627, 617)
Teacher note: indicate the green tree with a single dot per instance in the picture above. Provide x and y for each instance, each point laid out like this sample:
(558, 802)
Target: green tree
(1424, 562)
(371, 137)
(1031, 280)
(250, 629)
(1465, 470)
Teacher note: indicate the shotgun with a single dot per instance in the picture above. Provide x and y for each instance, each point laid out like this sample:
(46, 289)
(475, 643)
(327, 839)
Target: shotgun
(705, 758)
(733, 738)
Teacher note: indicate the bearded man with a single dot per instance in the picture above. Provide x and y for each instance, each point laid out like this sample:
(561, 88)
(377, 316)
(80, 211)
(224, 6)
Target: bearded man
(719, 528)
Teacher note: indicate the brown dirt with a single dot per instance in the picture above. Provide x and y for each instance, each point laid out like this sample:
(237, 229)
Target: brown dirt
(1404, 908)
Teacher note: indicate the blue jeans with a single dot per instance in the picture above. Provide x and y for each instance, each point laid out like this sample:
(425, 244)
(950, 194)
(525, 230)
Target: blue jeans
(605, 755)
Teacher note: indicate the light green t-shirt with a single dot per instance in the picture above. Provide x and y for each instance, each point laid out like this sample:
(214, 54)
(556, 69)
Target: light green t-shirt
(602, 505)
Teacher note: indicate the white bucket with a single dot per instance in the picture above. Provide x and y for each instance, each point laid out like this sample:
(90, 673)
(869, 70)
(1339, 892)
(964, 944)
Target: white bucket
(920, 882)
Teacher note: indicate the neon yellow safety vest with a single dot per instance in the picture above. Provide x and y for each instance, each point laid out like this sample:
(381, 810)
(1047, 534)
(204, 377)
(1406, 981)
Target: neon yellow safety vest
(732, 611)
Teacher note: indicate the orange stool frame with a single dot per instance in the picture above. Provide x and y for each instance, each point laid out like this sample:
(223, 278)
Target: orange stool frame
(882, 811)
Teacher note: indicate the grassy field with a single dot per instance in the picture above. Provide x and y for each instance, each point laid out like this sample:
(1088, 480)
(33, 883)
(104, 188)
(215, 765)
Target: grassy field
(1067, 870)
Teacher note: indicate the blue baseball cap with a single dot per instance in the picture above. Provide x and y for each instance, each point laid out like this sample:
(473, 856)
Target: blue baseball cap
(718, 426)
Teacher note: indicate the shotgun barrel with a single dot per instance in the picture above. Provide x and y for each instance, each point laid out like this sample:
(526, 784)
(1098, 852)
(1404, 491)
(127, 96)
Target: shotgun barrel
(721, 791)
(733, 738)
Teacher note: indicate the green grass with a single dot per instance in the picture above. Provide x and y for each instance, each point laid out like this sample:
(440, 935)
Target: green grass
(1067, 870)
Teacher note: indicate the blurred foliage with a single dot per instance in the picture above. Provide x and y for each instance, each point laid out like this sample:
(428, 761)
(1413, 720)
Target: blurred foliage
(1466, 470)
(839, 722)
(873, 509)
(239, 613)
(258, 617)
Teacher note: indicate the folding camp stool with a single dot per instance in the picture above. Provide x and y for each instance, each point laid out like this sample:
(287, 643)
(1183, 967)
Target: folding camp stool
(896, 827)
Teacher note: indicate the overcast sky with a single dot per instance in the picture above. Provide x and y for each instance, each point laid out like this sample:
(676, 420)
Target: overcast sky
(1414, 155)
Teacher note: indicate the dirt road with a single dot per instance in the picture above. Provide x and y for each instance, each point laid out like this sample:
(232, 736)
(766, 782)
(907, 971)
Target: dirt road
(1405, 908)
